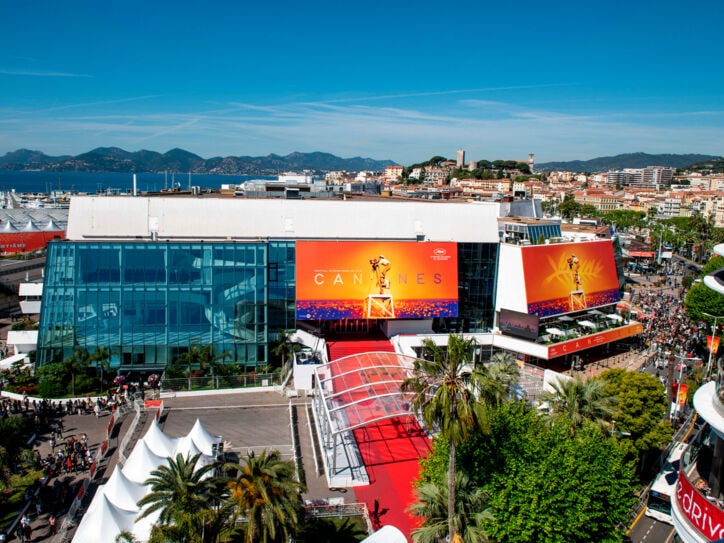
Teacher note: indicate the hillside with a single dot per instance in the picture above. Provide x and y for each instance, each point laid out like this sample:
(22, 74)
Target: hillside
(629, 160)
(113, 159)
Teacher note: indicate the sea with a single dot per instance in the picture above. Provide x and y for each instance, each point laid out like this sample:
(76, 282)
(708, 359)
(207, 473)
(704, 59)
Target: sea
(93, 183)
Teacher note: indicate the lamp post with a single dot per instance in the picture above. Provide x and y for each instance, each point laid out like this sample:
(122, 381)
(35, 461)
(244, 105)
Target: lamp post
(711, 345)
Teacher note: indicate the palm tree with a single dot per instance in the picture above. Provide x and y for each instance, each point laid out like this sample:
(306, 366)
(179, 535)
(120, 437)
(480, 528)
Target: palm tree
(102, 357)
(284, 347)
(203, 357)
(452, 396)
(577, 401)
(503, 368)
(184, 495)
(267, 495)
(76, 363)
(470, 512)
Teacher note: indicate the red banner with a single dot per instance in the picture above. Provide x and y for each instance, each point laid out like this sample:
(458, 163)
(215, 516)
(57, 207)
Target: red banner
(712, 344)
(601, 338)
(703, 515)
(26, 242)
(153, 404)
(683, 390)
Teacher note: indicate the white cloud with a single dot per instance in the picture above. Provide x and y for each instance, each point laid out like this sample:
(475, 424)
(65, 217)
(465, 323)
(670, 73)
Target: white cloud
(485, 128)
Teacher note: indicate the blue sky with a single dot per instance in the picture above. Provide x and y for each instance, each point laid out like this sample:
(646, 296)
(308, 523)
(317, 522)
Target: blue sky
(391, 80)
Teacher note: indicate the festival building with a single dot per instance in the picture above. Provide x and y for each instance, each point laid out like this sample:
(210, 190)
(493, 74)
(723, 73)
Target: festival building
(151, 277)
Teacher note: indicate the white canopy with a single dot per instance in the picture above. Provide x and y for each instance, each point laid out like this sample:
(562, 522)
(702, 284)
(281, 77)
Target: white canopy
(159, 443)
(141, 462)
(386, 534)
(203, 439)
(103, 522)
(30, 227)
(51, 227)
(122, 492)
(8, 227)
(186, 447)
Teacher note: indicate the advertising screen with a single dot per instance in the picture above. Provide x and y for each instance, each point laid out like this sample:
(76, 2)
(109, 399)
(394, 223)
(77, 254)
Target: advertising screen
(565, 277)
(518, 324)
(376, 280)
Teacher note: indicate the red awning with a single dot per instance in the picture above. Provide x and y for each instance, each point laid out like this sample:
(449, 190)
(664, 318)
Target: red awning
(643, 254)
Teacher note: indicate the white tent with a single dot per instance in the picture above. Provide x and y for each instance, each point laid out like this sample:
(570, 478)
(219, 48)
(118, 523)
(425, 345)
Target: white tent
(8, 227)
(30, 227)
(103, 521)
(185, 446)
(203, 439)
(141, 462)
(159, 443)
(142, 528)
(51, 227)
(122, 492)
(386, 534)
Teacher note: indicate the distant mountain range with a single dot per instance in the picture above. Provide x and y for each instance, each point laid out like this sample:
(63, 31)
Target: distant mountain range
(113, 159)
(619, 162)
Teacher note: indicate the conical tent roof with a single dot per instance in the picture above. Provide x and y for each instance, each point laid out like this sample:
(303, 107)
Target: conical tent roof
(203, 439)
(51, 227)
(186, 447)
(142, 528)
(30, 227)
(122, 492)
(141, 462)
(8, 227)
(159, 443)
(103, 521)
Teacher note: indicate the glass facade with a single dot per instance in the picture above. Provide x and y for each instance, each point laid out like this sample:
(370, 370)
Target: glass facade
(477, 277)
(150, 302)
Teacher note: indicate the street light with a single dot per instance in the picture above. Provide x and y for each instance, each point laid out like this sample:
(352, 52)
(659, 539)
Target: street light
(711, 345)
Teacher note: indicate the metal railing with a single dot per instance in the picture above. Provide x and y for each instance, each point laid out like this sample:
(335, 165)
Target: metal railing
(217, 382)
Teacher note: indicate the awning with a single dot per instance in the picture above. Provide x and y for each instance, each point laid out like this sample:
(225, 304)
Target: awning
(642, 254)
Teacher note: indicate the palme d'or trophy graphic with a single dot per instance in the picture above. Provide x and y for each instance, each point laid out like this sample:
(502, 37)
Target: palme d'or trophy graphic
(380, 303)
(577, 295)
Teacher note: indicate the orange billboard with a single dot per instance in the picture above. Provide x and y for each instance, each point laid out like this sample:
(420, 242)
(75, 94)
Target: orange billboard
(376, 280)
(566, 277)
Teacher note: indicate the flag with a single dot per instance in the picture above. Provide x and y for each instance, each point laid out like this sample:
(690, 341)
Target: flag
(712, 344)
(683, 389)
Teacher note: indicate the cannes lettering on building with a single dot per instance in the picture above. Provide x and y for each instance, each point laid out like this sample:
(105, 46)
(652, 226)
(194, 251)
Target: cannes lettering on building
(357, 279)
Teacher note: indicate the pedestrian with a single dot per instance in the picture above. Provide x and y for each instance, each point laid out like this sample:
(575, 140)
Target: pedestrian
(97, 410)
(52, 444)
(51, 525)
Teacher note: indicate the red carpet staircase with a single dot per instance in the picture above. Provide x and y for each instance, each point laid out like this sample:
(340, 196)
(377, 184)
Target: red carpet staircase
(391, 451)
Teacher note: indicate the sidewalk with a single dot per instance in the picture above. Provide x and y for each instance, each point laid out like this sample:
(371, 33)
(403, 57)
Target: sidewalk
(59, 492)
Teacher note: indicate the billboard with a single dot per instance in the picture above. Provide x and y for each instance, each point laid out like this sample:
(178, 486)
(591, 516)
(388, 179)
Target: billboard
(566, 277)
(376, 280)
(515, 323)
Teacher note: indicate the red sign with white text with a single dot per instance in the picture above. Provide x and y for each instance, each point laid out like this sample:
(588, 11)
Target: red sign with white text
(601, 338)
(703, 515)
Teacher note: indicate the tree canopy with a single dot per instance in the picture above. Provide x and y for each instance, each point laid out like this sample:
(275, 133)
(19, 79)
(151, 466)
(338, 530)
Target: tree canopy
(545, 484)
(640, 409)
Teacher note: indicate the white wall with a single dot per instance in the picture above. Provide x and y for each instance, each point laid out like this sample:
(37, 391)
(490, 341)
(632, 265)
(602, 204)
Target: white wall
(511, 280)
(193, 218)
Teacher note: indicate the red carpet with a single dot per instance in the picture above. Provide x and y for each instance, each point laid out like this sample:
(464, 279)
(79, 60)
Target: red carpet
(391, 451)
